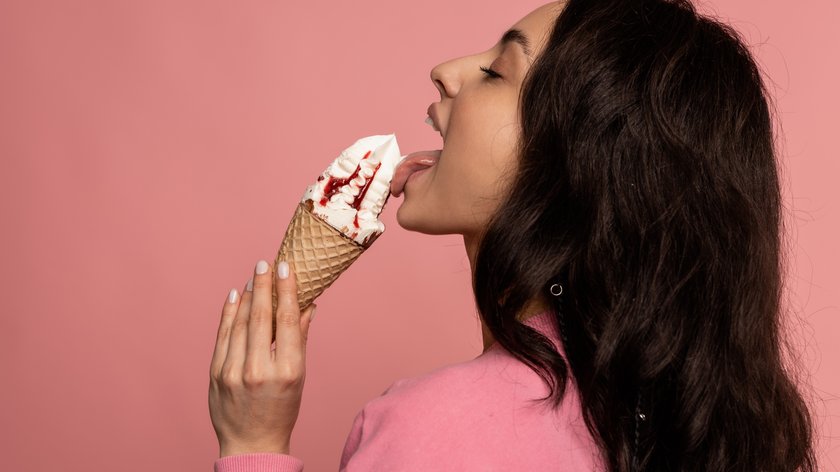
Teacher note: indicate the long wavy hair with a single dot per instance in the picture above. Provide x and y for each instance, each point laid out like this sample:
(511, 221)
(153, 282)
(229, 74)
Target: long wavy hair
(647, 187)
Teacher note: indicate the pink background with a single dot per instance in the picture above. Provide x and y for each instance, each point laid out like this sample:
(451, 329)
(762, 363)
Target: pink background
(153, 151)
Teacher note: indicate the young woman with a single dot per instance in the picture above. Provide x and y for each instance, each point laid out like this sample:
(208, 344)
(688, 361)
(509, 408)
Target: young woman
(610, 165)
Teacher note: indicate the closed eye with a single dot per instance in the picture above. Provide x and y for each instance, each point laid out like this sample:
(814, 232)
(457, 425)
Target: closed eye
(491, 74)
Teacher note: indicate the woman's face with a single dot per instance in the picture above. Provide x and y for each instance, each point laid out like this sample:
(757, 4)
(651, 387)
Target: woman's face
(478, 117)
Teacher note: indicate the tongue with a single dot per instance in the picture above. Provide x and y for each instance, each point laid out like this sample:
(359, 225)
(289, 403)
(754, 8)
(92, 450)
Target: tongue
(412, 163)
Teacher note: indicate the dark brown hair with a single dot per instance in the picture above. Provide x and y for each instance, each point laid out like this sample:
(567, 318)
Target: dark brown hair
(647, 186)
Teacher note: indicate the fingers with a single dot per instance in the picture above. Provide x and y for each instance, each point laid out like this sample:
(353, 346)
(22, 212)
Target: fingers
(289, 339)
(259, 326)
(235, 359)
(305, 320)
(223, 335)
(244, 339)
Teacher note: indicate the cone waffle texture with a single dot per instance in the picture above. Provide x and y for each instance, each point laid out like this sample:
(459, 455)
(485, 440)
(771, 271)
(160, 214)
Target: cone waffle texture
(318, 254)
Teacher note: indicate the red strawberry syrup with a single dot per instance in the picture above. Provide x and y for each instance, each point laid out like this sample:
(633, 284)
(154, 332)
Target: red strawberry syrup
(334, 184)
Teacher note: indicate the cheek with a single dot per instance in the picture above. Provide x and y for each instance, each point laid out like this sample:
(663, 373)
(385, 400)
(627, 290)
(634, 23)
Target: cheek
(483, 149)
(487, 121)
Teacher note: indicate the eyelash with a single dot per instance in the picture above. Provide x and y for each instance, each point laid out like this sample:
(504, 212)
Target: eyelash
(491, 74)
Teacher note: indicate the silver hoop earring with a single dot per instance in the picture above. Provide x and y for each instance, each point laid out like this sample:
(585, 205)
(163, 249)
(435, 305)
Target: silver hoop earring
(556, 290)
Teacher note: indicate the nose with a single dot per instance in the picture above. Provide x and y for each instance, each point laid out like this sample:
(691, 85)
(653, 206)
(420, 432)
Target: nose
(445, 79)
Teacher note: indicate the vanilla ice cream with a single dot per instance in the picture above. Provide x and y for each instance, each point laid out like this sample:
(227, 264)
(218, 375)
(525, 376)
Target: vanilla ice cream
(351, 193)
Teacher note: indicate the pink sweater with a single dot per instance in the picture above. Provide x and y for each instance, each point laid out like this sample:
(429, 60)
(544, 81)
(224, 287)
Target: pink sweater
(468, 416)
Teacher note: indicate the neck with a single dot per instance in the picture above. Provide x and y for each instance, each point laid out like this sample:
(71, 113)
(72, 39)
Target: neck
(533, 307)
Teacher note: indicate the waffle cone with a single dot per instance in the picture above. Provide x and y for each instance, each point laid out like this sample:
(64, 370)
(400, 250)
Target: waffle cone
(318, 254)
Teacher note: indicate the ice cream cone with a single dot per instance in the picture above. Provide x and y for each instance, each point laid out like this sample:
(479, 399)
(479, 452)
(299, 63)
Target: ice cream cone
(317, 253)
(337, 218)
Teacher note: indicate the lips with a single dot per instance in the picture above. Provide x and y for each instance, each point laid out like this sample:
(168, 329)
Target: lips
(432, 112)
(412, 163)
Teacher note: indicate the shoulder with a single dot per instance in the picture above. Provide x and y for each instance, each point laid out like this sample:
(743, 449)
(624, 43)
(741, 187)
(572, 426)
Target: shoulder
(491, 395)
(490, 376)
(473, 414)
(468, 388)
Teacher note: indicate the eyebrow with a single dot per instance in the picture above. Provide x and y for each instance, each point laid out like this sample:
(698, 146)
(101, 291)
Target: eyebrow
(517, 36)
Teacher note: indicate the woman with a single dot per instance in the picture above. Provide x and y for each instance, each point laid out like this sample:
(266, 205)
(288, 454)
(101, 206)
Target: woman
(610, 165)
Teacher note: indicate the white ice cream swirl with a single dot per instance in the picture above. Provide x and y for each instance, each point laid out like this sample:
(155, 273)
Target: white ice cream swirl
(362, 222)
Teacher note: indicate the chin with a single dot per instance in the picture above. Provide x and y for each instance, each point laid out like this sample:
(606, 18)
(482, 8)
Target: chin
(408, 219)
(423, 220)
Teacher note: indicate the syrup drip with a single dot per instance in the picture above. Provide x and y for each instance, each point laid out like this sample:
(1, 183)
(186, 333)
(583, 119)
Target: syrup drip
(334, 184)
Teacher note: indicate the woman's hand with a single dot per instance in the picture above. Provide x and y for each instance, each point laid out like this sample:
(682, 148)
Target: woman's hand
(255, 390)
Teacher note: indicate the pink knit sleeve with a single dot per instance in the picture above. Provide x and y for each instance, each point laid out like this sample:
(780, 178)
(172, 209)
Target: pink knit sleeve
(258, 462)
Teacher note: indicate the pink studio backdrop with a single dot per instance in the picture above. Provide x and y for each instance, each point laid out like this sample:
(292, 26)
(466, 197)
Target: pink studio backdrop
(153, 151)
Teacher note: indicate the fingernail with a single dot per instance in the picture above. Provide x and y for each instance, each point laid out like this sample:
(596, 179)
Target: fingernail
(262, 267)
(312, 316)
(283, 269)
(250, 285)
(232, 296)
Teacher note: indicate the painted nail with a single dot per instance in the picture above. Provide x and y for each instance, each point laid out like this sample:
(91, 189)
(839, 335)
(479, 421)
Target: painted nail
(250, 286)
(232, 296)
(262, 267)
(283, 269)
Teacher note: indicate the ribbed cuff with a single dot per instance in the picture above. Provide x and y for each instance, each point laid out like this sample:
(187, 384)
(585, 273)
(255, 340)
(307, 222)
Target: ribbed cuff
(258, 462)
